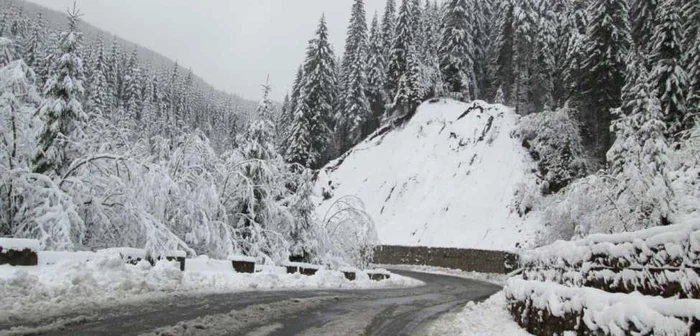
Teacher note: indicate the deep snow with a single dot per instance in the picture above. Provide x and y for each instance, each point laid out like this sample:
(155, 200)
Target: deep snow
(443, 179)
(65, 281)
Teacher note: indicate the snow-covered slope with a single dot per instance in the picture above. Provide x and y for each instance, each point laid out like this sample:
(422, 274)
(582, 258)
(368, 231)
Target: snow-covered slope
(444, 179)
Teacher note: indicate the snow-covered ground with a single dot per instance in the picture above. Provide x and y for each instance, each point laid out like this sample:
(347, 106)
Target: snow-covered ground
(488, 318)
(66, 281)
(444, 179)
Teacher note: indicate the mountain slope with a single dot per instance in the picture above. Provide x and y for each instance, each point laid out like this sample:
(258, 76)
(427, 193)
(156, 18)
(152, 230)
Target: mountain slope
(446, 178)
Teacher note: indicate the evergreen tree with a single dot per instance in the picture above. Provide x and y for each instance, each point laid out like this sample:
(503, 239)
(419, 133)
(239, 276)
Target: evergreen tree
(310, 140)
(456, 51)
(132, 88)
(98, 96)
(481, 34)
(409, 94)
(114, 75)
(670, 77)
(543, 59)
(402, 42)
(607, 43)
(643, 20)
(638, 159)
(62, 111)
(388, 26)
(376, 76)
(7, 51)
(503, 67)
(354, 111)
(32, 49)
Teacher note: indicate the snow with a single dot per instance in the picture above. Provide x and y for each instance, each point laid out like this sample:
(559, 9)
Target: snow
(488, 318)
(302, 265)
(133, 253)
(494, 278)
(241, 258)
(18, 244)
(608, 312)
(105, 279)
(439, 180)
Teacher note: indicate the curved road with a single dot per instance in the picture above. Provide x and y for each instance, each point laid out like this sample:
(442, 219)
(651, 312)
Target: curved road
(401, 311)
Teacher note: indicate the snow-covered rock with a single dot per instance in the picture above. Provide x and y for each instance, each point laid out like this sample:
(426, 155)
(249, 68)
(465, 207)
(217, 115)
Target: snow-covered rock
(18, 244)
(446, 178)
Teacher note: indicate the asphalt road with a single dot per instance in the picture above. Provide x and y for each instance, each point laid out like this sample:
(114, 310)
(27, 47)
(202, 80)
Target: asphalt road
(403, 311)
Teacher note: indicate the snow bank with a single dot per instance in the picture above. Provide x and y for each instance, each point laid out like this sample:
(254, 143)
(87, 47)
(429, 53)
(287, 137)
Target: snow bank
(613, 314)
(488, 318)
(445, 179)
(654, 246)
(106, 278)
(18, 244)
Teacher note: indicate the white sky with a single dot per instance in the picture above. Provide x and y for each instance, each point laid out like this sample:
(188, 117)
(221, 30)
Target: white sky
(232, 44)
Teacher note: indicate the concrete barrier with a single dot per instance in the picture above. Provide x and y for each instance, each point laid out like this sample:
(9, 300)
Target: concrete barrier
(457, 258)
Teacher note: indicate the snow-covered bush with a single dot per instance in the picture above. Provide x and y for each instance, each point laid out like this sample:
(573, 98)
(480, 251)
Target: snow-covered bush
(554, 142)
(351, 233)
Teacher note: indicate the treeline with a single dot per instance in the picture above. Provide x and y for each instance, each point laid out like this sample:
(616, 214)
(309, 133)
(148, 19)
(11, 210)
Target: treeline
(535, 55)
(94, 156)
(161, 99)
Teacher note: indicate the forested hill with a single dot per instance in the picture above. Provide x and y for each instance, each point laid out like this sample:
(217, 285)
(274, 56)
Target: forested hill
(220, 115)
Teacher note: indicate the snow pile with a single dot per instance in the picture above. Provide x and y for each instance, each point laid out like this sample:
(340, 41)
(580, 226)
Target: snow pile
(106, 278)
(447, 178)
(18, 244)
(612, 314)
(488, 318)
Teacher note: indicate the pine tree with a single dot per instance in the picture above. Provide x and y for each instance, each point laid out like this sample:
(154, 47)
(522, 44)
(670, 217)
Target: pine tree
(481, 34)
(62, 111)
(354, 111)
(667, 72)
(310, 140)
(32, 49)
(638, 159)
(607, 43)
(402, 42)
(376, 76)
(543, 59)
(524, 31)
(388, 26)
(456, 51)
(114, 75)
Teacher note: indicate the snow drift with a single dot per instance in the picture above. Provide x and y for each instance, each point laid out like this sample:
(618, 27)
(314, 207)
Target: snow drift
(448, 177)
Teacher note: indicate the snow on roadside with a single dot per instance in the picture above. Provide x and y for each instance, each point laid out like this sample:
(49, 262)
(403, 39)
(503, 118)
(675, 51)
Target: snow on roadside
(488, 318)
(494, 278)
(104, 279)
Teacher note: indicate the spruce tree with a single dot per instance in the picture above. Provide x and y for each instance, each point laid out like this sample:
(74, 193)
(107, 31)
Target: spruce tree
(643, 21)
(409, 94)
(638, 159)
(403, 41)
(98, 97)
(7, 51)
(667, 72)
(504, 43)
(132, 87)
(354, 111)
(388, 26)
(376, 76)
(456, 51)
(62, 111)
(607, 43)
(32, 48)
(311, 137)
(114, 75)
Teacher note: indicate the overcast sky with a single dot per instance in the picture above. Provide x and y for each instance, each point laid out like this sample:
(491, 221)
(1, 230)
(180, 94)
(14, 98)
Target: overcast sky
(232, 44)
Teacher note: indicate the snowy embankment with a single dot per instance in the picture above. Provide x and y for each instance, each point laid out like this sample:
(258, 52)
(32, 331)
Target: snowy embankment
(447, 178)
(65, 281)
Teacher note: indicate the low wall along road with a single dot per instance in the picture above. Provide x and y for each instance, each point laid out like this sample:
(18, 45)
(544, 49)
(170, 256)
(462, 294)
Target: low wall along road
(465, 259)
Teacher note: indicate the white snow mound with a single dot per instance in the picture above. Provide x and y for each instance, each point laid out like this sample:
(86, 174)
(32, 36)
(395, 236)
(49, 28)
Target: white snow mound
(444, 179)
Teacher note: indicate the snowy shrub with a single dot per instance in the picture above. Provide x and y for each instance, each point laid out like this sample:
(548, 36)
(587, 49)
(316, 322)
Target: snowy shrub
(352, 235)
(685, 163)
(554, 142)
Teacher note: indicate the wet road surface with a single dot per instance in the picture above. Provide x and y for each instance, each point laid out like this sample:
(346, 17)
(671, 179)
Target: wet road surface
(402, 311)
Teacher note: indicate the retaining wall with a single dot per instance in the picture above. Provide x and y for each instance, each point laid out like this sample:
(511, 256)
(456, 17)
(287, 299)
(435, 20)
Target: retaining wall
(456, 258)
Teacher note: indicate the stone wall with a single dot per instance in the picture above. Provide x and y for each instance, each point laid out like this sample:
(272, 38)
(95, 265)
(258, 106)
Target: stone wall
(456, 258)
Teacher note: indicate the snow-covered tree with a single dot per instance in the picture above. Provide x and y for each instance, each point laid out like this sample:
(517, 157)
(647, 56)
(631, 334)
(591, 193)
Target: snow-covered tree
(132, 87)
(98, 96)
(388, 26)
(376, 76)
(62, 112)
(456, 51)
(638, 158)
(607, 44)
(354, 111)
(7, 51)
(409, 94)
(667, 71)
(310, 143)
(401, 44)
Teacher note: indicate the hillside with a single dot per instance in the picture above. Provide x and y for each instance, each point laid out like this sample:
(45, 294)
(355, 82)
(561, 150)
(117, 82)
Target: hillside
(446, 178)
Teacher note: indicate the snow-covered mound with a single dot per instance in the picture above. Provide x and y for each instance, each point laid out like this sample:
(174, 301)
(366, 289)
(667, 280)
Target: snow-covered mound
(447, 178)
